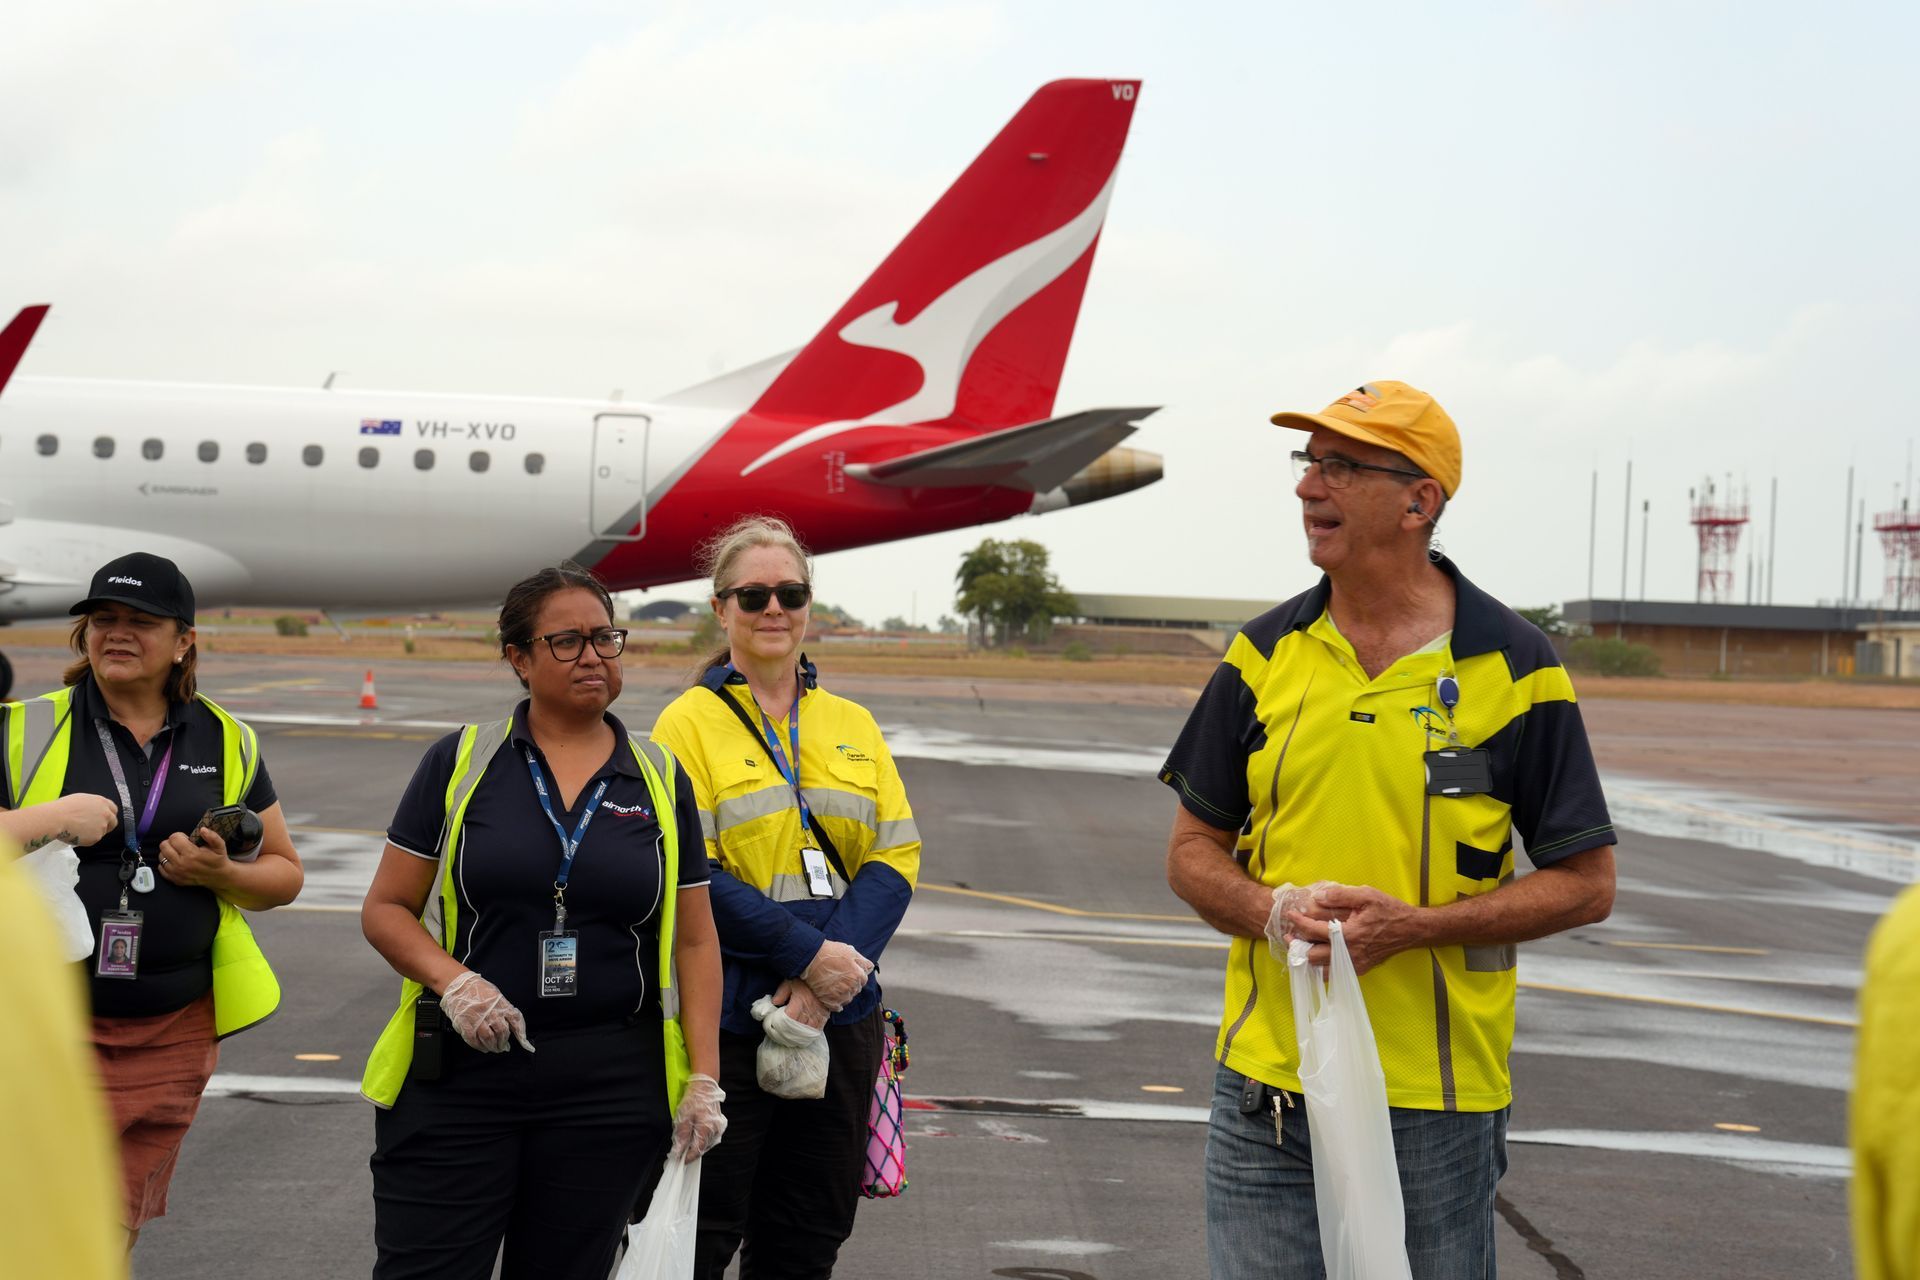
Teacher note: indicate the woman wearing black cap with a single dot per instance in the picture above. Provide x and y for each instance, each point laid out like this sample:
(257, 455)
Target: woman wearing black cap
(175, 967)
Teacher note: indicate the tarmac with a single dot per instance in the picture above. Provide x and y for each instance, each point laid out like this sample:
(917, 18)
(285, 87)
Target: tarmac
(1681, 1070)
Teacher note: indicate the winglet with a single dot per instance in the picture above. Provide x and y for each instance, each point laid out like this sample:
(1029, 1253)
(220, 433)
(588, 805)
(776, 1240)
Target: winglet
(15, 337)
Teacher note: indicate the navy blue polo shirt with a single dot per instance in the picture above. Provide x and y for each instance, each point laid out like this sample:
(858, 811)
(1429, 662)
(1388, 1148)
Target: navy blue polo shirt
(509, 854)
(176, 946)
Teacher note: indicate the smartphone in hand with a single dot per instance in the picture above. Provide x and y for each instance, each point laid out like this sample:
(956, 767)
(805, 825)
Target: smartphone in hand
(235, 824)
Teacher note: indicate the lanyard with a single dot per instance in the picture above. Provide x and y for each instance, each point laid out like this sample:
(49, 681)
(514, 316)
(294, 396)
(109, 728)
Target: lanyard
(569, 845)
(788, 770)
(134, 830)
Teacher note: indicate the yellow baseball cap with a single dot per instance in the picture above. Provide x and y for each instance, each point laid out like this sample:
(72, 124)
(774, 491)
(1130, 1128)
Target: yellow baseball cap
(1394, 416)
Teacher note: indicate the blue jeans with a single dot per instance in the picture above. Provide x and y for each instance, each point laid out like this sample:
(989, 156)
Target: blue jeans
(1261, 1220)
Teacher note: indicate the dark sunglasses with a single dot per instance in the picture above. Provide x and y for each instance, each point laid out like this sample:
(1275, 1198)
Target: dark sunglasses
(792, 595)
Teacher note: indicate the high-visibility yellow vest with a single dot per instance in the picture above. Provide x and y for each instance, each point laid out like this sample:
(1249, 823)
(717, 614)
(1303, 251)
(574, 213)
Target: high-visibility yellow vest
(39, 747)
(393, 1051)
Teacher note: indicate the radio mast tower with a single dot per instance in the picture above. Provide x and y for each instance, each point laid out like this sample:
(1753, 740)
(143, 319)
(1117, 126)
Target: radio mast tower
(1900, 540)
(1718, 523)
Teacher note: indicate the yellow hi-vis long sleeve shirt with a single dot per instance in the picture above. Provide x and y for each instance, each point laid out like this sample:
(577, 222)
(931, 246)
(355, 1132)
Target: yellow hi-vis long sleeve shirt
(1886, 1101)
(770, 924)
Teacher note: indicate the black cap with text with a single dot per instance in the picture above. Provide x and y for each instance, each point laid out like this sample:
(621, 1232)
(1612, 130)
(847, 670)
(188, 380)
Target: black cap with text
(152, 584)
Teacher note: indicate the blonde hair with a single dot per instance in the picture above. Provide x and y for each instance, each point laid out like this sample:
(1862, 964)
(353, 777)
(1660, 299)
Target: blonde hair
(717, 557)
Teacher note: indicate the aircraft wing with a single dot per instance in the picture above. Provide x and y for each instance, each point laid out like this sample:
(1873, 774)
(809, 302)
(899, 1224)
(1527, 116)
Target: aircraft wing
(1038, 456)
(15, 337)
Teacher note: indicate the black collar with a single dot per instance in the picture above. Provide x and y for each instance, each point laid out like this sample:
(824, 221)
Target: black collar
(723, 673)
(623, 761)
(1478, 625)
(93, 705)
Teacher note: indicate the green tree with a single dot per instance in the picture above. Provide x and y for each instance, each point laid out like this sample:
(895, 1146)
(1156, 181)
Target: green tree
(1006, 588)
(1547, 618)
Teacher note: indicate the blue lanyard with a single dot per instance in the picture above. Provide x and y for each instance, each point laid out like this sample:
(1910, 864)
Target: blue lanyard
(569, 845)
(788, 770)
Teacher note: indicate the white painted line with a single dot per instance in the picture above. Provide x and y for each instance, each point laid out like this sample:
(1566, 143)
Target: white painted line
(225, 1085)
(1803, 1156)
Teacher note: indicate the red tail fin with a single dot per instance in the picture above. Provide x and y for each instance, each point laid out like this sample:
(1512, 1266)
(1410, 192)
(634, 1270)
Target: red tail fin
(15, 337)
(970, 317)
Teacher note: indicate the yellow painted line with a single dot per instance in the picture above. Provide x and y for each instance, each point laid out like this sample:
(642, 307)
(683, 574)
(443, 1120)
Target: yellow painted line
(1691, 1004)
(316, 1057)
(1161, 1088)
(379, 735)
(1738, 1128)
(1692, 946)
(1013, 901)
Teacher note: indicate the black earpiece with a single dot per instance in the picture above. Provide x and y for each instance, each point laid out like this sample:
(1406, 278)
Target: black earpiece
(1416, 510)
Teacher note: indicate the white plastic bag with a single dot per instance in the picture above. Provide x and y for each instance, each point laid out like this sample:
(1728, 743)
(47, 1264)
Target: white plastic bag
(55, 871)
(1356, 1179)
(660, 1246)
(792, 1059)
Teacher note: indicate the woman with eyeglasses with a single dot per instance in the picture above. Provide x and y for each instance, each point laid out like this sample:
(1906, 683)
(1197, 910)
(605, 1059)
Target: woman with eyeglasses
(543, 893)
(813, 856)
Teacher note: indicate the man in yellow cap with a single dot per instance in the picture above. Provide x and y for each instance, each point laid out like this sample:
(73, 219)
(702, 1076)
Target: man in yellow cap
(1380, 739)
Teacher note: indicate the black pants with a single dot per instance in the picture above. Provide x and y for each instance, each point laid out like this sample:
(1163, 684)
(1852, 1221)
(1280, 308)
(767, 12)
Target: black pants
(783, 1184)
(547, 1150)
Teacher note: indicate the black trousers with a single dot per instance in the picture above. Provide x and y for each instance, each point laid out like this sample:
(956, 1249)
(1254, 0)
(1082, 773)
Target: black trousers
(546, 1151)
(782, 1186)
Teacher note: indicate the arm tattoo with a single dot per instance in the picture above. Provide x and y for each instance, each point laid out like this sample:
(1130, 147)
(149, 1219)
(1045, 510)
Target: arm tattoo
(39, 841)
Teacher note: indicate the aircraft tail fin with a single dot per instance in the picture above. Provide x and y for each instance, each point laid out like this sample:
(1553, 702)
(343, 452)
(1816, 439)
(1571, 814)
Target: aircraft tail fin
(15, 337)
(970, 317)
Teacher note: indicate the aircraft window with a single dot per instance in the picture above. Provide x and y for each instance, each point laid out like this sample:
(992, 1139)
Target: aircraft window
(536, 463)
(478, 460)
(369, 457)
(47, 445)
(312, 454)
(423, 459)
(151, 449)
(256, 453)
(209, 450)
(103, 446)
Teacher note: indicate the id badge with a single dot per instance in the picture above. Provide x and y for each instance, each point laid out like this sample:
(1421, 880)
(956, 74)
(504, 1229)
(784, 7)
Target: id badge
(119, 954)
(1459, 771)
(819, 880)
(560, 963)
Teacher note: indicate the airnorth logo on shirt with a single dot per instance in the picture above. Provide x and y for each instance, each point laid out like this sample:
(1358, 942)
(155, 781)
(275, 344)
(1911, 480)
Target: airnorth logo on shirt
(199, 768)
(627, 810)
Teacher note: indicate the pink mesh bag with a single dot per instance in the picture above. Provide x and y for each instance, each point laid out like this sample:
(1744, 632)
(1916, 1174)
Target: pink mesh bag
(886, 1173)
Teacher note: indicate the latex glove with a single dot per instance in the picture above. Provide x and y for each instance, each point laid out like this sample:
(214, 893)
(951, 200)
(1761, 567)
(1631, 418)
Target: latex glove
(1287, 898)
(84, 818)
(837, 974)
(699, 1122)
(800, 1003)
(484, 1018)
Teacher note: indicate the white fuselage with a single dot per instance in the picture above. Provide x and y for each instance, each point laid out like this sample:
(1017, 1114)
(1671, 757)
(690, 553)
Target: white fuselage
(267, 495)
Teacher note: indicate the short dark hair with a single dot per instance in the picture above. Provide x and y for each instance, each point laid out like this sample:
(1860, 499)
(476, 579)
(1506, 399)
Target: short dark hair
(521, 608)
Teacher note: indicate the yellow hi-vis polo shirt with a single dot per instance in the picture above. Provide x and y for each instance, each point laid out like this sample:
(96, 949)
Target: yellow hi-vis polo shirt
(1322, 770)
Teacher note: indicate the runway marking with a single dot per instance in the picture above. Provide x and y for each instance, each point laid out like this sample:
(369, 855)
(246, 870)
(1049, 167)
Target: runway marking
(1849, 1023)
(1161, 1088)
(1738, 1128)
(1054, 907)
(316, 1057)
(1691, 946)
(1023, 935)
(378, 735)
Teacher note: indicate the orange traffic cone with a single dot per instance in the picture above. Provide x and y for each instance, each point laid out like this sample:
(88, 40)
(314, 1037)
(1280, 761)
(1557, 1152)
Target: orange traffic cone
(367, 701)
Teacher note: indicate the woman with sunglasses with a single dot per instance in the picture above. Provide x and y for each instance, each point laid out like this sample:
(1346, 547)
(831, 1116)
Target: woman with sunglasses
(813, 857)
(544, 895)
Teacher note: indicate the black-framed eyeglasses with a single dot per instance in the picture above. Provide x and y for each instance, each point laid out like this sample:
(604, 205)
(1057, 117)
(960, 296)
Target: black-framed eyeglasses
(1337, 471)
(753, 598)
(567, 646)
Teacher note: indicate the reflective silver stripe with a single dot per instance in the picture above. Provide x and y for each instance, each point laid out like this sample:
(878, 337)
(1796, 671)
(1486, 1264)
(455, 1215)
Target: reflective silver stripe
(656, 756)
(889, 835)
(831, 802)
(1443, 1034)
(479, 756)
(794, 888)
(39, 721)
(670, 994)
(1494, 959)
(707, 827)
(729, 814)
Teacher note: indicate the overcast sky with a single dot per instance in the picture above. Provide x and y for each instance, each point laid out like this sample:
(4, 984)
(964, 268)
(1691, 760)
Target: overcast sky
(1594, 229)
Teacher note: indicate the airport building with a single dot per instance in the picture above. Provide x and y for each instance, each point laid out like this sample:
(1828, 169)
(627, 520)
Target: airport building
(1157, 624)
(1759, 639)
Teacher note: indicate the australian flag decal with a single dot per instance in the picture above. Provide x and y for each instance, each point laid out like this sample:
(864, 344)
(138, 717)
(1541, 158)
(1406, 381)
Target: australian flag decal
(379, 426)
